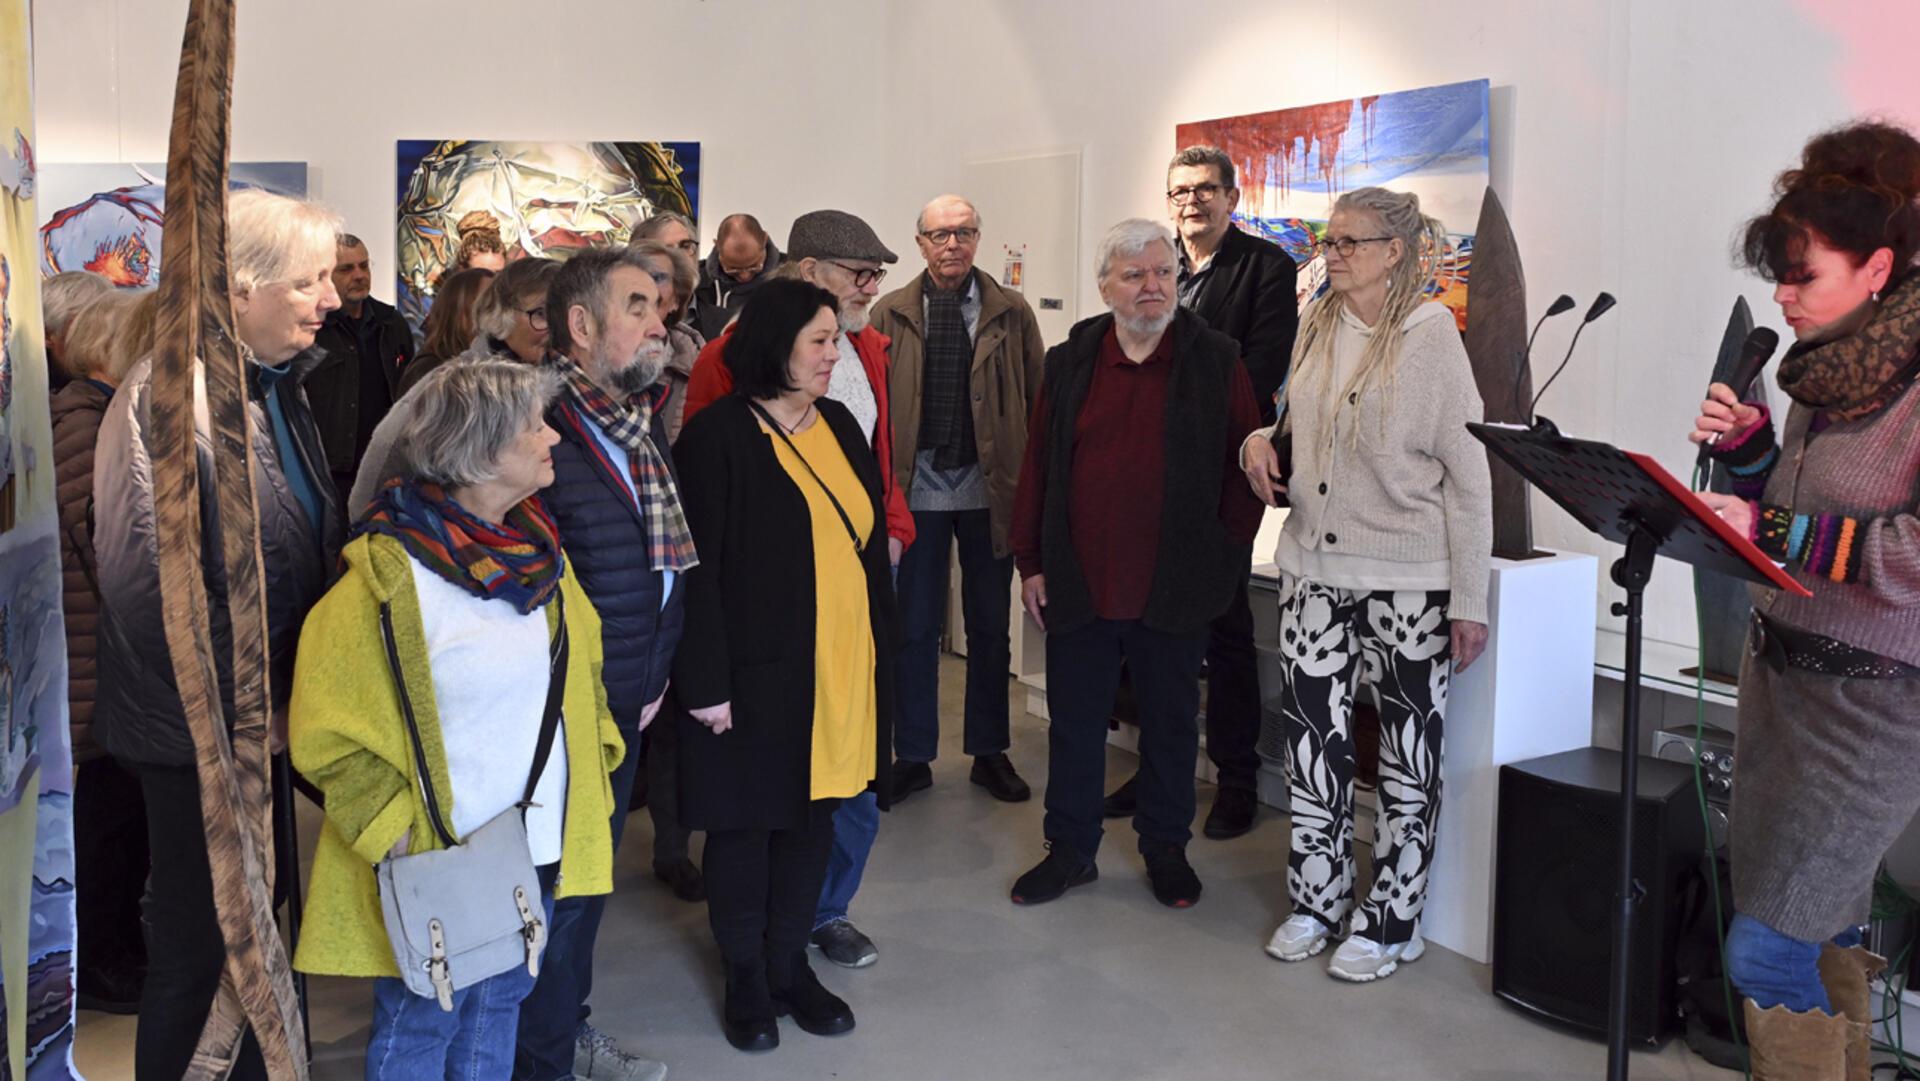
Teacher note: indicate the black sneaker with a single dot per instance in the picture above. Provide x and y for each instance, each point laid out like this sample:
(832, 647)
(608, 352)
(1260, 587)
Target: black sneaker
(910, 777)
(995, 773)
(1062, 870)
(1232, 814)
(1174, 883)
(683, 878)
(1122, 803)
(843, 944)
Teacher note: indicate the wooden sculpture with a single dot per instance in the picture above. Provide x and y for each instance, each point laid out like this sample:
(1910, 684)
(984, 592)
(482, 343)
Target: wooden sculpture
(1723, 601)
(1497, 345)
(194, 336)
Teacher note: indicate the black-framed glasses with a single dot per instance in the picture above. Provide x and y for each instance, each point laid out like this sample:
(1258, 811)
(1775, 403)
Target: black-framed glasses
(1345, 245)
(536, 316)
(939, 238)
(1195, 193)
(689, 245)
(862, 276)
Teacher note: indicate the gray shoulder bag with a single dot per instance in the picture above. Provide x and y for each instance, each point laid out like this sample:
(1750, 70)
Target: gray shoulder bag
(471, 910)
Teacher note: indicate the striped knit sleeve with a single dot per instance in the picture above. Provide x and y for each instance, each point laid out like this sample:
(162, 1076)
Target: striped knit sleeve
(1826, 545)
(1750, 456)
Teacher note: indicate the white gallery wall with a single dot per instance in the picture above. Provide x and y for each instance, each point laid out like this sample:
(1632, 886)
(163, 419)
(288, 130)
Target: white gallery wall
(1629, 137)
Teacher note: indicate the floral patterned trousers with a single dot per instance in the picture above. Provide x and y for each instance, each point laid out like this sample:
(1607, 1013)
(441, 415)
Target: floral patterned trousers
(1399, 642)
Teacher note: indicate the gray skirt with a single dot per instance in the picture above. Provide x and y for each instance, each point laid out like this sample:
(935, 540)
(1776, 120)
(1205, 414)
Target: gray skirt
(1826, 777)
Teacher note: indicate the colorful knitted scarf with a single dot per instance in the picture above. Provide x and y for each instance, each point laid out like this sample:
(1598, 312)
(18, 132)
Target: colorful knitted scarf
(669, 540)
(518, 561)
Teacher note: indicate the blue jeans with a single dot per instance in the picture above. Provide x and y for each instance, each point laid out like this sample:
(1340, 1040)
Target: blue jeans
(553, 1012)
(855, 824)
(413, 1038)
(984, 604)
(1775, 970)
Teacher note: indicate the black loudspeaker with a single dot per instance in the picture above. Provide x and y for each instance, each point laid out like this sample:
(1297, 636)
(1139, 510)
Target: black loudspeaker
(1556, 862)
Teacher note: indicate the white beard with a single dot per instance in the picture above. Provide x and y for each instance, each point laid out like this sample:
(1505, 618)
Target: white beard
(1143, 327)
(852, 320)
(648, 362)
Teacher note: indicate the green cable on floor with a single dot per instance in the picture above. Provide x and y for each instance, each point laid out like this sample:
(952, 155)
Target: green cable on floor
(1891, 902)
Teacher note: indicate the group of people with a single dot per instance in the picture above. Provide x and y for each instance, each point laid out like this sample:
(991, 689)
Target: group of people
(705, 513)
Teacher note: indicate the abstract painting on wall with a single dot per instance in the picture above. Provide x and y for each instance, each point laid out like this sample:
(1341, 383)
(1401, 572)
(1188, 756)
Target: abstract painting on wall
(1294, 163)
(107, 217)
(539, 199)
(36, 767)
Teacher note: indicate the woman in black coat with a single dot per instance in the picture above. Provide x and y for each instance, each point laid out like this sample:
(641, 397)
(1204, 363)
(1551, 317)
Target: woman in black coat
(783, 496)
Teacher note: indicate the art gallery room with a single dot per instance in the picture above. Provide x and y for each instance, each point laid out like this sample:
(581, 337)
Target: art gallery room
(1649, 270)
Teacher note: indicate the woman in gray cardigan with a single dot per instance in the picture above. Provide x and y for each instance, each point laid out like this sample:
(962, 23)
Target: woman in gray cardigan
(1383, 564)
(1829, 739)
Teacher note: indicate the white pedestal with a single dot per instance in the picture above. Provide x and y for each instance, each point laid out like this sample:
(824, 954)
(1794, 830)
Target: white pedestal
(1531, 694)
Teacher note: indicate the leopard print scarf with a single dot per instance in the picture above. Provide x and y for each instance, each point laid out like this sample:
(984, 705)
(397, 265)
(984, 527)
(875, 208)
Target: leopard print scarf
(1859, 373)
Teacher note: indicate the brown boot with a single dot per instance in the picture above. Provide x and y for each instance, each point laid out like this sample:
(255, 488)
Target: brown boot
(1848, 975)
(1788, 1046)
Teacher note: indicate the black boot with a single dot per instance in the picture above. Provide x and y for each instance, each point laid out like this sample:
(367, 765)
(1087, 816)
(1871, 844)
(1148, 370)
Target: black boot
(797, 991)
(748, 1017)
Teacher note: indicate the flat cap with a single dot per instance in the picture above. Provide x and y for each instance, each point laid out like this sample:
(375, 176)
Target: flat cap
(835, 234)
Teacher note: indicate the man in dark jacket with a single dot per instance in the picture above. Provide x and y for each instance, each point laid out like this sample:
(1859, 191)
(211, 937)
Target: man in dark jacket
(364, 344)
(743, 256)
(1243, 287)
(617, 503)
(1128, 531)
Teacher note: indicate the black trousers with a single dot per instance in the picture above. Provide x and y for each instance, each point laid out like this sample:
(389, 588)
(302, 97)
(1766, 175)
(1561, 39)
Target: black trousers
(1233, 695)
(109, 871)
(663, 785)
(185, 951)
(763, 886)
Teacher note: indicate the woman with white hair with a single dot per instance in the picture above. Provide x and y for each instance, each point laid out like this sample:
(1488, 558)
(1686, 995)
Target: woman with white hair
(280, 263)
(425, 734)
(1383, 565)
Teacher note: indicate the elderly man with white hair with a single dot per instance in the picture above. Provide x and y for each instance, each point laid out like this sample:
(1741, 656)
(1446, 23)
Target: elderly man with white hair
(1128, 531)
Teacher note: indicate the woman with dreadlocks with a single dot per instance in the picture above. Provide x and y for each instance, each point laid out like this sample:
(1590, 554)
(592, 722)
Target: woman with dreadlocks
(1383, 570)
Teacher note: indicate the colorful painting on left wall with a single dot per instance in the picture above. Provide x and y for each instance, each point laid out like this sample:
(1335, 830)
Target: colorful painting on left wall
(36, 767)
(106, 218)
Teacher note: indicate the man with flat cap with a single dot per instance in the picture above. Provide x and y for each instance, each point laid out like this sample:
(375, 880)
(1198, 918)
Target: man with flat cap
(839, 253)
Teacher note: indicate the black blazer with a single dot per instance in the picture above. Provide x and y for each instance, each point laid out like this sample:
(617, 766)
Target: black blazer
(748, 637)
(1248, 295)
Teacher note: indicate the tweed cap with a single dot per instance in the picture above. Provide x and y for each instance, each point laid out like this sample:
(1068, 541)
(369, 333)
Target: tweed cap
(835, 234)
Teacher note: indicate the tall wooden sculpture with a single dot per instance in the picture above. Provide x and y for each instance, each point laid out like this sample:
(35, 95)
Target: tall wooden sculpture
(195, 336)
(1724, 603)
(1497, 346)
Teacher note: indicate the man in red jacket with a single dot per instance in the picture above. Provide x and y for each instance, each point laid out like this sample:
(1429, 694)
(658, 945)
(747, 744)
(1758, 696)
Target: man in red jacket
(841, 254)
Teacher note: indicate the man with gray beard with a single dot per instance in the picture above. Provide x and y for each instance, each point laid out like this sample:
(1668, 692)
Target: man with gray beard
(617, 503)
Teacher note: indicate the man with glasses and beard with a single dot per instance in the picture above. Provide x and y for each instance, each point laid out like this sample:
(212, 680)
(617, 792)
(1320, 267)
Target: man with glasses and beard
(1243, 287)
(617, 503)
(841, 254)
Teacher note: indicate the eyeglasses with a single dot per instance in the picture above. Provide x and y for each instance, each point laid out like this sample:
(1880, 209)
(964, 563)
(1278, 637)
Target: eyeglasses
(939, 237)
(1198, 193)
(1345, 245)
(536, 316)
(862, 276)
(690, 246)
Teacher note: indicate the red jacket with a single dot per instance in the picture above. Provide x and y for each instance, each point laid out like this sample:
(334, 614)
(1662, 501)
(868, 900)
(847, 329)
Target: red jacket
(711, 381)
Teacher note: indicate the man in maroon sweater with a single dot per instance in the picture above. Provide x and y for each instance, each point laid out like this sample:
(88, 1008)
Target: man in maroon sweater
(1128, 532)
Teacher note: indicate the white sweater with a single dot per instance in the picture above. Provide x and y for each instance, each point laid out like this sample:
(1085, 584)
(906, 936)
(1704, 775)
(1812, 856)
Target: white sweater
(1388, 486)
(490, 673)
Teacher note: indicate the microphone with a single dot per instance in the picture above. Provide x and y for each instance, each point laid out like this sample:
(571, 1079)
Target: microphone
(1602, 304)
(1754, 354)
(1560, 304)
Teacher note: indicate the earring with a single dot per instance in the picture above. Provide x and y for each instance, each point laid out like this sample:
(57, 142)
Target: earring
(1876, 296)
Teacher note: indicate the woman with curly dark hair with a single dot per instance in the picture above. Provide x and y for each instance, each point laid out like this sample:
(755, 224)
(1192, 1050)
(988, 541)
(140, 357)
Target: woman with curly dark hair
(1829, 768)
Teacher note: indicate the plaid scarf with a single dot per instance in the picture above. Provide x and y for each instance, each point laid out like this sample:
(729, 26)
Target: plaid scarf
(518, 561)
(669, 540)
(946, 417)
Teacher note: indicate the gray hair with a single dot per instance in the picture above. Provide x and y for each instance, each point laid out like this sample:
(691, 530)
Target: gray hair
(655, 225)
(63, 295)
(1202, 154)
(348, 240)
(583, 281)
(509, 289)
(465, 413)
(1130, 237)
(920, 219)
(276, 239)
(684, 275)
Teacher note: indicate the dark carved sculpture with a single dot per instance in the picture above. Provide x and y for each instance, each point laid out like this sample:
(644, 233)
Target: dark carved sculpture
(1723, 602)
(1497, 345)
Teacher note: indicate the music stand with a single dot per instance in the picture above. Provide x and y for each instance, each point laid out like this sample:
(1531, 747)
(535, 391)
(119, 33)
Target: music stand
(1628, 498)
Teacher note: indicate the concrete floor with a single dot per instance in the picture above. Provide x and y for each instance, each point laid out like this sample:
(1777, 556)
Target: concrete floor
(1103, 985)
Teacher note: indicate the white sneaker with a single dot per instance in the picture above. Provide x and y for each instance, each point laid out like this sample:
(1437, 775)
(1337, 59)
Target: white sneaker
(1299, 938)
(1363, 960)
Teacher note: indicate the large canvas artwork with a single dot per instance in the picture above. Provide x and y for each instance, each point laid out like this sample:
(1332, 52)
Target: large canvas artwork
(36, 769)
(541, 198)
(1295, 162)
(107, 217)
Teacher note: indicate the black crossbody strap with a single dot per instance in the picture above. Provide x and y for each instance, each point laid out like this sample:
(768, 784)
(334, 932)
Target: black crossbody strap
(556, 690)
(858, 546)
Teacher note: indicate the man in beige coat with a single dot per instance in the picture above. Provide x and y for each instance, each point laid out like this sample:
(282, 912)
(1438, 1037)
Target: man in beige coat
(966, 364)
